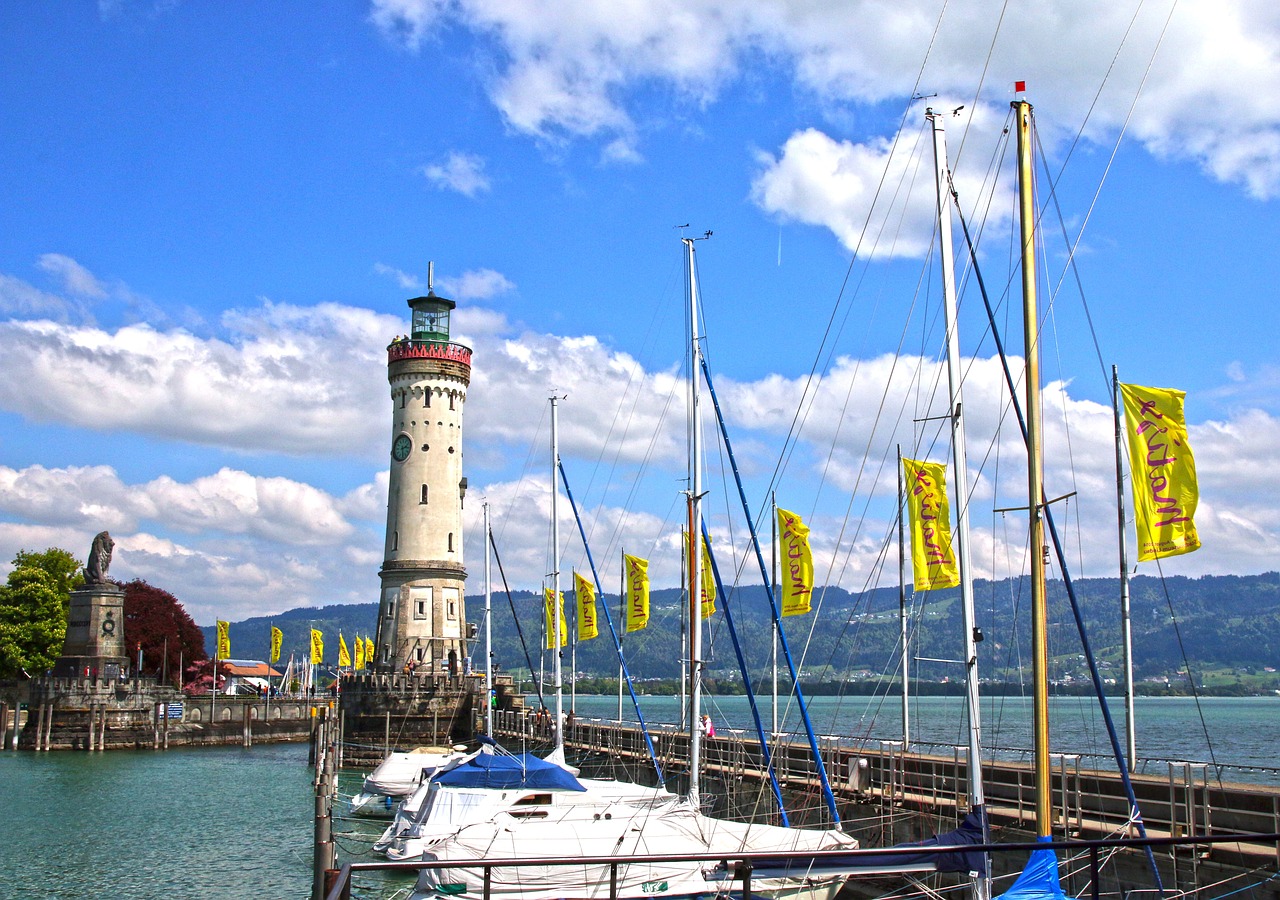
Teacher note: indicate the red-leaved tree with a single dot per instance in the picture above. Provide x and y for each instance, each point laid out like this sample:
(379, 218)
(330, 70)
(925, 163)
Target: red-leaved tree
(157, 620)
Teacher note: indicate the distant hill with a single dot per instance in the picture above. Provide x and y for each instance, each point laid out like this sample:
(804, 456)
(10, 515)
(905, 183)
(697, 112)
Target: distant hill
(1227, 624)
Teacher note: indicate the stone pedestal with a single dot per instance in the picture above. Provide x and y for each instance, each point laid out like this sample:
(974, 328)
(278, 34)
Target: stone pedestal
(95, 634)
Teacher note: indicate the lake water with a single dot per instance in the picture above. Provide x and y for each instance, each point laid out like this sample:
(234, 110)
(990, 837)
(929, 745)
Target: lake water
(235, 824)
(1239, 733)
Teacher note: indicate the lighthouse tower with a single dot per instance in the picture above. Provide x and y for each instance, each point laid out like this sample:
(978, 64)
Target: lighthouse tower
(421, 618)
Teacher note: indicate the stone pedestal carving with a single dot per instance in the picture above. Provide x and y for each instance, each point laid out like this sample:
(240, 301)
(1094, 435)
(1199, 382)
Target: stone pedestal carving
(95, 634)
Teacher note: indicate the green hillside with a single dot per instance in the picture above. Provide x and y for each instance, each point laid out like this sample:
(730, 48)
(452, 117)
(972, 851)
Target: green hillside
(1228, 625)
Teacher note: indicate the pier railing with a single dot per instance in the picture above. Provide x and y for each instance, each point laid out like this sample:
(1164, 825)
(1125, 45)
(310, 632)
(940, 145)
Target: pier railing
(1092, 854)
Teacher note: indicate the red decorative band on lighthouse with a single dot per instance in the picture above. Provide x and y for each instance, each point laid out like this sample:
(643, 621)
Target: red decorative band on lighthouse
(408, 349)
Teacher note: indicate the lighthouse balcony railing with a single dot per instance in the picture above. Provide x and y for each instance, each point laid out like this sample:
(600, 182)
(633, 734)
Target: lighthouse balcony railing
(409, 348)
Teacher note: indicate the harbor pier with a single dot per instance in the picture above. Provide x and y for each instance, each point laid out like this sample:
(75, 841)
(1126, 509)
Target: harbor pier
(887, 794)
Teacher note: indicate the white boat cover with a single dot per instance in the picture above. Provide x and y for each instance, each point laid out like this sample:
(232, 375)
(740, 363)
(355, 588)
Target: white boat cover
(671, 830)
(400, 773)
(437, 811)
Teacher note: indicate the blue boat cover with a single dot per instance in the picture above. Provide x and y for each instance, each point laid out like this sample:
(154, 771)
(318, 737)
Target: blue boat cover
(1039, 878)
(520, 770)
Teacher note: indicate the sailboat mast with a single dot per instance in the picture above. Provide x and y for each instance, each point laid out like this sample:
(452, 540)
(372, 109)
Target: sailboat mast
(960, 469)
(1035, 475)
(1126, 626)
(695, 544)
(902, 614)
(773, 630)
(959, 452)
(555, 575)
(488, 629)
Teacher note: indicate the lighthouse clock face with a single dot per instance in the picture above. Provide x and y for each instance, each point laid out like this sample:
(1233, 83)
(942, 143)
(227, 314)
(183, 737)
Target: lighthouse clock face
(401, 447)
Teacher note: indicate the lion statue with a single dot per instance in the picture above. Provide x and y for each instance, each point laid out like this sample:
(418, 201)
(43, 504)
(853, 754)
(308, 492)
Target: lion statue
(95, 571)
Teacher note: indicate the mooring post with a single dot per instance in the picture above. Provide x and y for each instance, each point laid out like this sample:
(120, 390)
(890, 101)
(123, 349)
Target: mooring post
(4, 725)
(324, 860)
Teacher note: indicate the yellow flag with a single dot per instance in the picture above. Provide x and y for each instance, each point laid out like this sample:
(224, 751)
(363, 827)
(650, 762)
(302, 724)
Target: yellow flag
(224, 639)
(1163, 471)
(368, 651)
(359, 647)
(708, 586)
(551, 620)
(317, 647)
(344, 656)
(277, 637)
(797, 563)
(933, 561)
(637, 570)
(586, 595)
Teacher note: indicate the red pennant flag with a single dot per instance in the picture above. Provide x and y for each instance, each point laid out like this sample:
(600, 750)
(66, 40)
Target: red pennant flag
(1019, 87)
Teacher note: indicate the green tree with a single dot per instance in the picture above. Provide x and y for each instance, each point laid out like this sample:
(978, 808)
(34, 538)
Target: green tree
(33, 624)
(66, 571)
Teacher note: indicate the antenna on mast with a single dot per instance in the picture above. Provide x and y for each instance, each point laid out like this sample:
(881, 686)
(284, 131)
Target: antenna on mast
(431, 275)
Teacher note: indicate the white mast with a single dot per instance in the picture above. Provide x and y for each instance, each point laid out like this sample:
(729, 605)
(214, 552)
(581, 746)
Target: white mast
(773, 626)
(695, 536)
(902, 614)
(1126, 626)
(555, 576)
(960, 478)
(488, 629)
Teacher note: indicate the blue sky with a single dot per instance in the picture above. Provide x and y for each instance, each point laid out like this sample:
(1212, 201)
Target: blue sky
(211, 216)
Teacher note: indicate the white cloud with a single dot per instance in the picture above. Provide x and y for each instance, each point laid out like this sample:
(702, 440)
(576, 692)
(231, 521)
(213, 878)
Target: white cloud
(406, 21)
(75, 278)
(477, 284)
(21, 299)
(572, 68)
(878, 196)
(405, 280)
(461, 172)
(288, 379)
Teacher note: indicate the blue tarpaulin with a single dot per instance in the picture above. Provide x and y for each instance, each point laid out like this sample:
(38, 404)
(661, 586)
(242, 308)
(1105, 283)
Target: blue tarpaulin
(1039, 878)
(521, 770)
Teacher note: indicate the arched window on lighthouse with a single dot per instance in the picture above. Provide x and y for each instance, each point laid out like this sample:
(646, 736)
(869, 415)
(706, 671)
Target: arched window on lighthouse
(450, 541)
(424, 495)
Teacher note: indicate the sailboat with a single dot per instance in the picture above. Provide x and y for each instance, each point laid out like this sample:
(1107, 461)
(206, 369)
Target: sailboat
(494, 788)
(398, 776)
(678, 829)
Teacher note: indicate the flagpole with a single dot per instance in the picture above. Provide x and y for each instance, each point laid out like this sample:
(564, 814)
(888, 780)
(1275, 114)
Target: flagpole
(213, 703)
(1126, 626)
(573, 653)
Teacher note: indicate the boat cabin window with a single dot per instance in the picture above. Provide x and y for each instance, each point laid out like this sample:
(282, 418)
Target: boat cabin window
(529, 807)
